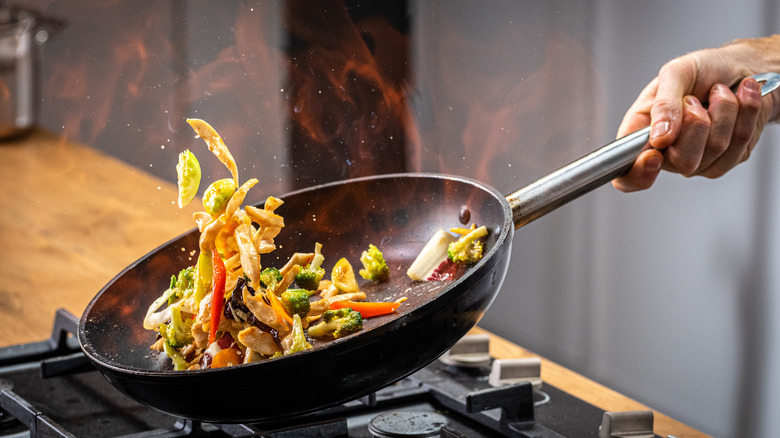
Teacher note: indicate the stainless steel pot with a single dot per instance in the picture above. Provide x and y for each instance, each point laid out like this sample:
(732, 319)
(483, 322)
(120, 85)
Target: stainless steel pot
(21, 32)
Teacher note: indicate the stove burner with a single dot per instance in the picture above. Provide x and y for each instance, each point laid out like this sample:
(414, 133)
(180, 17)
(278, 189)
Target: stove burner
(49, 389)
(401, 424)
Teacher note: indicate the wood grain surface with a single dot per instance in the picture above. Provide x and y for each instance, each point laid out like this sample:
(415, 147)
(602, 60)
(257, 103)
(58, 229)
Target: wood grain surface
(71, 218)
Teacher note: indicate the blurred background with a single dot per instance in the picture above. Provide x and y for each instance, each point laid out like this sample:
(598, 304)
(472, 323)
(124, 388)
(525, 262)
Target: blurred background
(669, 296)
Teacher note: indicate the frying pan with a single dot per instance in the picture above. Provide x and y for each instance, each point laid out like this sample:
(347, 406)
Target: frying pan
(398, 213)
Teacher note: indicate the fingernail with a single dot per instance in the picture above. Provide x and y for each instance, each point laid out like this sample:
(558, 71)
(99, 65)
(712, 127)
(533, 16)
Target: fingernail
(691, 101)
(659, 129)
(653, 164)
(752, 85)
(721, 88)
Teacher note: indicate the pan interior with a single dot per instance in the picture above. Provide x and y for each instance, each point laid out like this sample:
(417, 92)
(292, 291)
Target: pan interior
(397, 213)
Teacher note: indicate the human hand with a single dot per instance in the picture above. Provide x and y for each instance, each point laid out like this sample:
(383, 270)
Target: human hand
(687, 137)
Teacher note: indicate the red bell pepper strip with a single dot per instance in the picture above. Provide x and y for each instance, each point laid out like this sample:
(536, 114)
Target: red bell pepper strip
(367, 309)
(218, 294)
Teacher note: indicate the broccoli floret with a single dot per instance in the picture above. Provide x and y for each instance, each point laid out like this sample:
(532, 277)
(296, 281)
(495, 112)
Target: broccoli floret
(299, 342)
(296, 302)
(467, 249)
(374, 265)
(183, 285)
(338, 322)
(309, 277)
(178, 332)
(269, 277)
(186, 280)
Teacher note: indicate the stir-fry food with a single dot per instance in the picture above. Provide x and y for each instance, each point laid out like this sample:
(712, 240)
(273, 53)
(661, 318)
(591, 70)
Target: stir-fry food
(228, 308)
(448, 254)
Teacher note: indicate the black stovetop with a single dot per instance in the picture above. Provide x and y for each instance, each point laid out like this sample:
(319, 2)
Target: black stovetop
(49, 389)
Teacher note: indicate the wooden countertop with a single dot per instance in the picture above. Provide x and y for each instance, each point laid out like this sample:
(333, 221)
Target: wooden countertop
(71, 218)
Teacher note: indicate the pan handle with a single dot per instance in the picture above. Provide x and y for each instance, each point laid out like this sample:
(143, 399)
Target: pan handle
(591, 171)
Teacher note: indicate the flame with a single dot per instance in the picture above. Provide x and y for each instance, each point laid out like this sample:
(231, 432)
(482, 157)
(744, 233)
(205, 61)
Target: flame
(505, 99)
(310, 92)
(346, 92)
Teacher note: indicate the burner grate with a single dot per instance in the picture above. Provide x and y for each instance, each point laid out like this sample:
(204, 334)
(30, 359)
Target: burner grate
(50, 389)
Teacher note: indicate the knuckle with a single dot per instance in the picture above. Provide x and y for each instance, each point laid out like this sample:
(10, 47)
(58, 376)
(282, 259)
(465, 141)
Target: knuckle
(742, 136)
(685, 164)
(722, 98)
(718, 144)
(663, 108)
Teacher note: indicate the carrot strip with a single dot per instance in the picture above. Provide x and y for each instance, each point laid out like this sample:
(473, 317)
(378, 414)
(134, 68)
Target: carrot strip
(367, 309)
(277, 306)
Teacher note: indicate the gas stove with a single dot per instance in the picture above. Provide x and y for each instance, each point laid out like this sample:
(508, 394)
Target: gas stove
(49, 389)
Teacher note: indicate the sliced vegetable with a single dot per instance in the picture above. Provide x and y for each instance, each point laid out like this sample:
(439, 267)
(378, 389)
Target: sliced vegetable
(216, 145)
(227, 357)
(221, 241)
(432, 255)
(179, 363)
(188, 176)
(218, 294)
(203, 277)
(278, 306)
(250, 259)
(296, 341)
(269, 310)
(367, 309)
(272, 203)
(217, 196)
(343, 276)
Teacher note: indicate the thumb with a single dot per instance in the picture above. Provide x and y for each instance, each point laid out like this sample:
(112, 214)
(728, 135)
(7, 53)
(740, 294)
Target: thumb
(667, 109)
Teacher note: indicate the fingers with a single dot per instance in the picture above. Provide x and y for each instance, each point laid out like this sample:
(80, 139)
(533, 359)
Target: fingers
(709, 141)
(666, 113)
(723, 110)
(743, 130)
(642, 174)
(685, 155)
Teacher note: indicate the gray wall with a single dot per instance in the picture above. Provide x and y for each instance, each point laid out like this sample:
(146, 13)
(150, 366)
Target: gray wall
(668, 296)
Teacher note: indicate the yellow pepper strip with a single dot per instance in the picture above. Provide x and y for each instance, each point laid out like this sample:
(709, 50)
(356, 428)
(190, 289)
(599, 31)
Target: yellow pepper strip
(463, 231)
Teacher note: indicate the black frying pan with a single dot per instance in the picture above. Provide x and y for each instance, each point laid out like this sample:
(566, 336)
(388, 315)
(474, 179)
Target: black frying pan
(399, 213)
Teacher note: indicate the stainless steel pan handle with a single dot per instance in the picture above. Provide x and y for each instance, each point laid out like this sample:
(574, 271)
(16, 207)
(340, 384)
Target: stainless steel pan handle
(591, 171)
